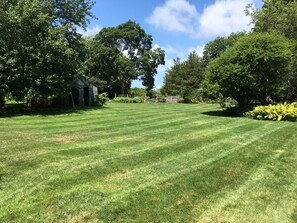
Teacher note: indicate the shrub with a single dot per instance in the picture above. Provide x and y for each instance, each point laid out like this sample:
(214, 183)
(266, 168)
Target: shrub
(253, 68)
(128, 100)
(101, 99)
(161, 99)
(274, 112)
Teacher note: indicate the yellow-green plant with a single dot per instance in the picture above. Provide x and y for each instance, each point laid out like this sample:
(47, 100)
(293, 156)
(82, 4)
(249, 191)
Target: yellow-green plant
(276, 112)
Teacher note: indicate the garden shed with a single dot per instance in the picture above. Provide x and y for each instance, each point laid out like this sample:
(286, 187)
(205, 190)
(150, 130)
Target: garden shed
(86, 91)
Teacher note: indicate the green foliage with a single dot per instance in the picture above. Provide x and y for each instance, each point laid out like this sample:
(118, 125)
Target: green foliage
(276, 16)
(280, 17)
(40, 49)
(137, 92)
(161, 99)
(291, 89)
(184, 78)
(215, 48)
(209, 91)
(128, 100)
(254, 68)
(278, 112)
(101, 99)
(118, 55)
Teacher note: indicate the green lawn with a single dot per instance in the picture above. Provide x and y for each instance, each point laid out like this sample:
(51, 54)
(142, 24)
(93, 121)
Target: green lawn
(147, 163)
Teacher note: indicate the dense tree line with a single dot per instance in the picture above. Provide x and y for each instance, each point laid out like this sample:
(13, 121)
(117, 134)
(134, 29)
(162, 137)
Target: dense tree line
(42, 53)
(251, 68)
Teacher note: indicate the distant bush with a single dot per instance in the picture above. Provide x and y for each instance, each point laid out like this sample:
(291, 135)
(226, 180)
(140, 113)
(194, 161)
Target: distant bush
(101, 99)
(161, 99)
(128, 100)
(274, 112)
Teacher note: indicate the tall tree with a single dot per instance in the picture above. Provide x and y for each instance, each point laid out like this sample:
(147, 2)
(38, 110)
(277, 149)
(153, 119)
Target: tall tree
(184, 78)
(279, 16)
(127, 40)
(173, 79)
(276, 15)
(40, 47)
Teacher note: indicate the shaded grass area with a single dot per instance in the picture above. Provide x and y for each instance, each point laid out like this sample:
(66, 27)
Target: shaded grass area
(147, 163)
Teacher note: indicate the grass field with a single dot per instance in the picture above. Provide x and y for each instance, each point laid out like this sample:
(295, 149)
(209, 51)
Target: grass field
(147, 163)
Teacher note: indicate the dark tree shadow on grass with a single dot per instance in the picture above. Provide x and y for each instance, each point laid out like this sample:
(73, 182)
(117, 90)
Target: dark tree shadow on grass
(224, 113)
(13, 110)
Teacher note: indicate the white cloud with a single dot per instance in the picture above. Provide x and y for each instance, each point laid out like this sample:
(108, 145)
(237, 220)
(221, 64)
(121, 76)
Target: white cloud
(90, 31)
(182, 53)
(197, 49)
(156, 46)
(175, 15)
(162, 68)
(224, 17)
(218, 19)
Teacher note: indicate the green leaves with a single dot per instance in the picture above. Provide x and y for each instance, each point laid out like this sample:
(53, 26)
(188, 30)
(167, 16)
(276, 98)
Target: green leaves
(184, 78)
(276, 16)
(254, 68)
(128, 100)
(41, 50)
(118, 55)
(215, 48)
(276, 112)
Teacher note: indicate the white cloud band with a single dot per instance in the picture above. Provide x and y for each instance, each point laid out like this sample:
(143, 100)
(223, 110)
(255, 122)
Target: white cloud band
(218, 19)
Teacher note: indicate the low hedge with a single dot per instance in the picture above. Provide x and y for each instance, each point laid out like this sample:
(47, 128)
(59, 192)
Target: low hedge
(127, 100)
(276, 112)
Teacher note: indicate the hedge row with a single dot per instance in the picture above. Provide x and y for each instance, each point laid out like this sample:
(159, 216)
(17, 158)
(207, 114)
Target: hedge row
(127, 100)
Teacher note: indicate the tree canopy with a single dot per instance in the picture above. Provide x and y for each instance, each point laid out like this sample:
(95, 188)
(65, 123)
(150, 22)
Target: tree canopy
(280, 17)
(215, 48)
(254, 68)
(121, 54)
(40, 48)
(184, 78)
(276, 15)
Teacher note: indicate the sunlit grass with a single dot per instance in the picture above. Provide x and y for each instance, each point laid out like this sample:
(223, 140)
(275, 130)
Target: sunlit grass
(146, 163)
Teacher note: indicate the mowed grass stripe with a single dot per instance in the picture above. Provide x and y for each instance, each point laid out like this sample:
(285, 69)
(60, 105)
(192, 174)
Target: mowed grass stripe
(152, 149)
(100, 122)
(174, 159)
(98, 161)
(113, 112)
(133, 141)
(107, 143)
(197, 158)
(263, 184)
(120, 195)
(259, 163)
(100, 133)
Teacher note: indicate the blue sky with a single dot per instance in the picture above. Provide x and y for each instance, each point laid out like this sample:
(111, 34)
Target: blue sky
(177, 26)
